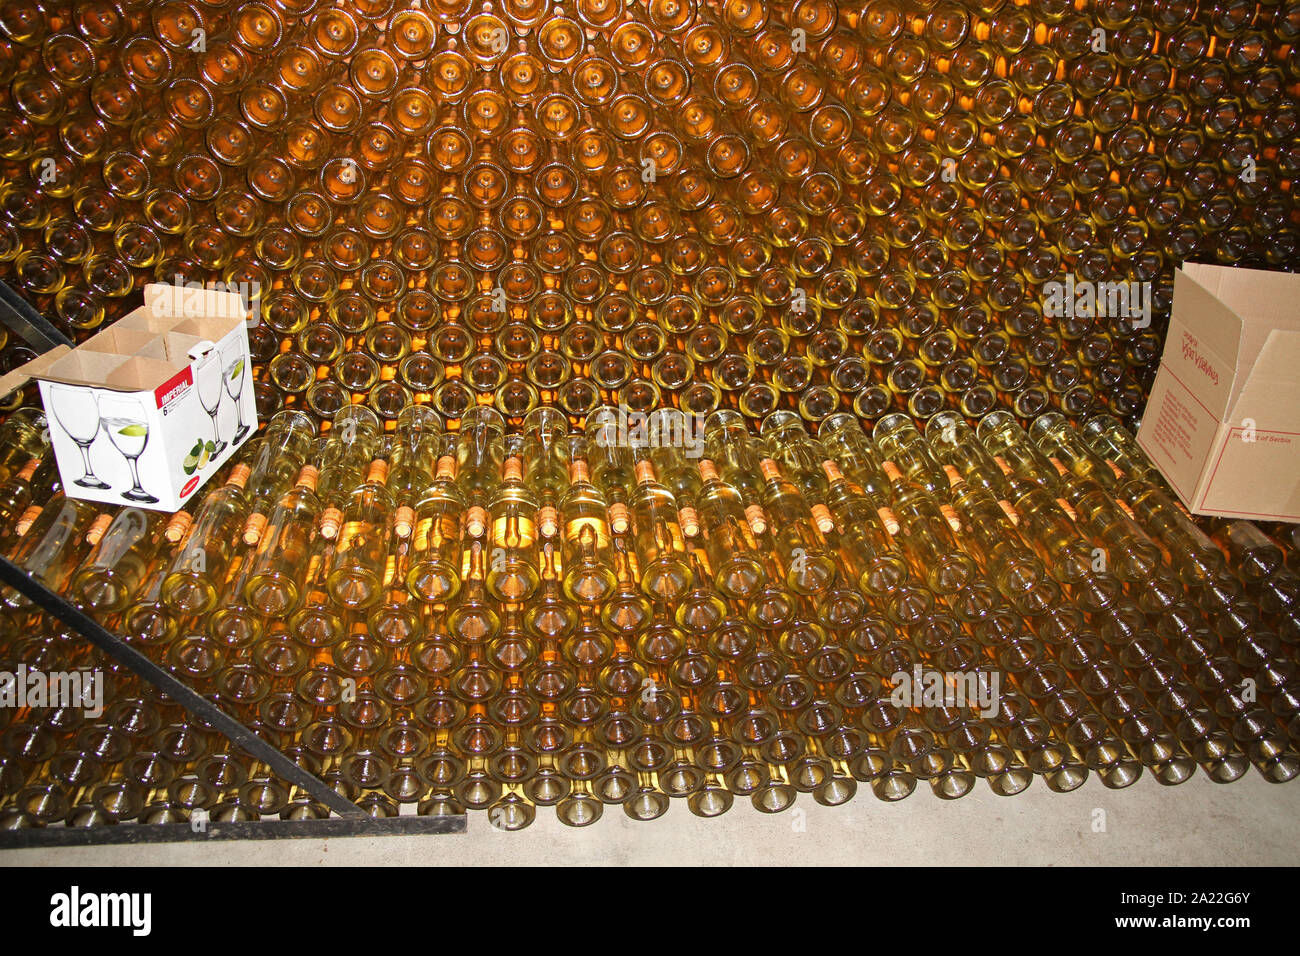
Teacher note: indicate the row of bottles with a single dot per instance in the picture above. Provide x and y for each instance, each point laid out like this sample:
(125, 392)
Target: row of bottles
(617, 615)
(753, 205)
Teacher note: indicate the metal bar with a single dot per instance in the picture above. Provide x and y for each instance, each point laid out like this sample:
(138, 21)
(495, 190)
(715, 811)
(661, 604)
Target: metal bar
(196, 704)
(17, 313)
(137, 833)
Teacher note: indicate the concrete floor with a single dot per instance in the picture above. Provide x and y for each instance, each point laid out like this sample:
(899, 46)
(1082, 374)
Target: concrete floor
(1248, 823)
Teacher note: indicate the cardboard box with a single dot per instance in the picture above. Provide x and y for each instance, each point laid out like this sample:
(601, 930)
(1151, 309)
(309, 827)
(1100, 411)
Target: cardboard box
(1222, 422)
(146, 411)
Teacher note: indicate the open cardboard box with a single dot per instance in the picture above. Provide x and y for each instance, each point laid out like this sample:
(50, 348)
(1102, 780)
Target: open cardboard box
(147, 410)
(1222, 422)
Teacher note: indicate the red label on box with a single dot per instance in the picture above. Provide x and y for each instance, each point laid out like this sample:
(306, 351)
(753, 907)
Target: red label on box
(174, 387)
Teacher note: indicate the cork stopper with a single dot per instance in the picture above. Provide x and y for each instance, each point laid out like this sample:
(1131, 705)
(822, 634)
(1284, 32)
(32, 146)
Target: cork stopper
(238, 477)
(403, 521)
(619, 518)
(512, 470)
(1065, 506)
(97, 529)
(331, 519)
(1060, 468)
(832, 470)
(1009, 511)
(178, 527)
(378, 472)
(689, 521)
(29, 469)
(645, 472)
(954, 477)
(446, 467)
(476, 521)
(548, 521)
(757, 520)
(950, 516)
(27, 519)
(891, 471)
(1123, 505)
(254, 527)
(578, 471)
(1002, 464)
(889, 520)
(822, 518)
(708, 470)
(1116, 470)
(769, 469)
(307, 477)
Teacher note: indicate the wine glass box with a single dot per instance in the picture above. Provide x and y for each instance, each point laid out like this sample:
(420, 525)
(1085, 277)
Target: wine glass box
(146, 411)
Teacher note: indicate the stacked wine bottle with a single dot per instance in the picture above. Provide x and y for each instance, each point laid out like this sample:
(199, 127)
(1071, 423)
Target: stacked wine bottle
(501, 620)
(751, 204)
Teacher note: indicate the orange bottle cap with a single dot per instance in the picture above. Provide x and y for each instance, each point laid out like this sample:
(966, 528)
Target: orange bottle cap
(619, 518)
(307, 477)
(27, 519)
(254, 527)
(822, 518)
(331, 519)
(97, 528)
(476, 521)
(690, 521)
(178, 526)
(548, 521)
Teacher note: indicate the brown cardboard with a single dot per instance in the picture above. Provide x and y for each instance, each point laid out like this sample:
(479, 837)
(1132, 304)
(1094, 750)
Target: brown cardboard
(1222, 422)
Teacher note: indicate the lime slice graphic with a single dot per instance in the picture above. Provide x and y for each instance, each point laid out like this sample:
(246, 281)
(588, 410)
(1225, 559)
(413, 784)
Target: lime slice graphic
(237, 371)
(134, 431)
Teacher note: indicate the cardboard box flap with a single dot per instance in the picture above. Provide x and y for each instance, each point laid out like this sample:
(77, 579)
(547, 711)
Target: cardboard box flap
(1201, 346)
(1261, 300)
(33, 369)
(214, 330)
(146, 321)
(140, 374)
(89, 369)
(190, 301)
(125, 342)
(1271, 392)
(1258, 296)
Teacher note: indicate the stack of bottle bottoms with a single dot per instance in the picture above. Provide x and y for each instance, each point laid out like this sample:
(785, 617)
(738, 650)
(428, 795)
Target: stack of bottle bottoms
(598, 617)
